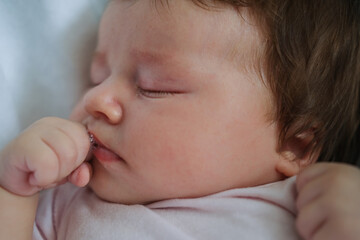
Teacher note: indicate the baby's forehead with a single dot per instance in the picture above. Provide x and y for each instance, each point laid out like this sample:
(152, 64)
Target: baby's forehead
(232, 34)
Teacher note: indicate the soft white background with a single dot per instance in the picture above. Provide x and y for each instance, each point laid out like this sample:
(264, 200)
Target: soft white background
(45, 50)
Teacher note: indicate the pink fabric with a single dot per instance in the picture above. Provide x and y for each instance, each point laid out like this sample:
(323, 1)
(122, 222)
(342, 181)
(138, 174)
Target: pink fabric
(263, 212)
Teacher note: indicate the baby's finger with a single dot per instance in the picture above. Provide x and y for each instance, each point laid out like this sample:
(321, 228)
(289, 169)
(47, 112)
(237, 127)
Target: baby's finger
(77, 135)
(32, 165)
(56, 184)
(64, 149)
(323, 233)
(68, 140)
(42, 169)
(81, 176)
(62, 146)
(334, 229)
(310, 173)
(311, 190)
(311, 218)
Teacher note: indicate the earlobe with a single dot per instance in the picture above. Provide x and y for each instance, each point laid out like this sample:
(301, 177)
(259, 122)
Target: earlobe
(295, 154)
(287, 164)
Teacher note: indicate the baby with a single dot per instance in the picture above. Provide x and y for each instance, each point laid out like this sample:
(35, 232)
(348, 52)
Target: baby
(198, 112)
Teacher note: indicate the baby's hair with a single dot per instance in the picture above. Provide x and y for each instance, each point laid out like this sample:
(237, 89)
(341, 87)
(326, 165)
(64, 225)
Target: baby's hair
(312, 67)
(314, 72)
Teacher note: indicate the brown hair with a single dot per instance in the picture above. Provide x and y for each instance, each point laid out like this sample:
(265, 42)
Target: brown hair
(314, 72)
(312, 68)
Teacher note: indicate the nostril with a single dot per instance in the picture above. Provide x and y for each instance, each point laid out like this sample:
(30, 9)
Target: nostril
(111, 114)
(100, 115)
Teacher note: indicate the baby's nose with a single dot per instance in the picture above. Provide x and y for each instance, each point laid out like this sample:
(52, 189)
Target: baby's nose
(102, 105)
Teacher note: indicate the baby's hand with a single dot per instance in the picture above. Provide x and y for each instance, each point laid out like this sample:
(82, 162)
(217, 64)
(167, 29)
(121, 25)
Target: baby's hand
(48, 153)
(328, 202)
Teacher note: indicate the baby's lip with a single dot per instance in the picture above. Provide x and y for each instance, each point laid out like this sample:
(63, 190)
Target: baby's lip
(100, 150)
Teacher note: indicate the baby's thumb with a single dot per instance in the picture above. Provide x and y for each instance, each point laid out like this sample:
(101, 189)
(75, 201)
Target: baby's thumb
(81, 176)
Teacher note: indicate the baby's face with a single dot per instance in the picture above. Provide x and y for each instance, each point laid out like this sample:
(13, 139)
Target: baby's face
(178, 103)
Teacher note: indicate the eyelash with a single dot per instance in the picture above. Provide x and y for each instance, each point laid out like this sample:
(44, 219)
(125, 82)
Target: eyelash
(145, 92)
(154, 93)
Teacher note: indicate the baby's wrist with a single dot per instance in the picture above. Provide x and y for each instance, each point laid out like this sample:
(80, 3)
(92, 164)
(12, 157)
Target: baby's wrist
(5, 192)
(17, 215)
(13, 202)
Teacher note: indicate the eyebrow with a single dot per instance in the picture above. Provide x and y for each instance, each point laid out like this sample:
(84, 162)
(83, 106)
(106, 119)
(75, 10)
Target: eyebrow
(175, 69)
(151, 57)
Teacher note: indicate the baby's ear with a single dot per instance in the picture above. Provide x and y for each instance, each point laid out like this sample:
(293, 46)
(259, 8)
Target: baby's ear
(295, 154)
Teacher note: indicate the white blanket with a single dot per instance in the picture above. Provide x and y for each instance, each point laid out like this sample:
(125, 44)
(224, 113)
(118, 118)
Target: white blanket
(45, 49)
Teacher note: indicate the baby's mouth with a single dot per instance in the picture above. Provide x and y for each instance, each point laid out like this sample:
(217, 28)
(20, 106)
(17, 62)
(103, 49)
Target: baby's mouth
(100, 152)
(93, 146)
(93, 143)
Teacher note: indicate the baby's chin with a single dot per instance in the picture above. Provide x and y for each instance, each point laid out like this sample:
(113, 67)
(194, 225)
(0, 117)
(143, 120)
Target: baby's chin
(135, 199)
(120, 197)
(122, 192)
